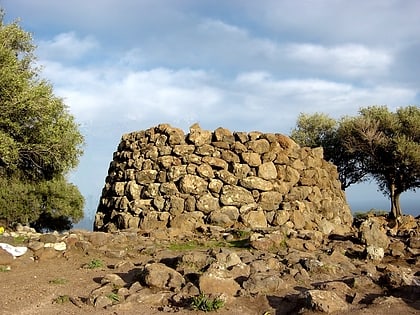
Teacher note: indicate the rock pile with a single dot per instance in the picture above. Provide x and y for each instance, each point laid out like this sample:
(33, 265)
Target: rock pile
(304, 269)
(162, 178)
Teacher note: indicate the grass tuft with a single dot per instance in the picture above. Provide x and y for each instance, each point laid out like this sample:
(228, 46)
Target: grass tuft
(206, 304)
(94, 264)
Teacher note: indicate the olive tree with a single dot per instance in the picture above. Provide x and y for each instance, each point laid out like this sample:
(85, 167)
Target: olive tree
(388, 144)
(376, 144)
(39, 139)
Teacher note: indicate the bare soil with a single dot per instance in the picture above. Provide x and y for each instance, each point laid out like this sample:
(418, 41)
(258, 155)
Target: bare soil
(61, 285)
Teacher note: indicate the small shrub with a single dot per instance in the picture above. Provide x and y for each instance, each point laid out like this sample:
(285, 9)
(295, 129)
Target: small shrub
(20, 239)
(62, 299)
(206, 304)
(95, 263)
(114, 297)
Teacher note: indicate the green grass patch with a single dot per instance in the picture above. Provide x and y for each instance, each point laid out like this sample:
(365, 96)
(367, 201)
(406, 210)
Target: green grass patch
(114, 297)
(62, 299)
(206, 304)
(94, 264)
(20, 239)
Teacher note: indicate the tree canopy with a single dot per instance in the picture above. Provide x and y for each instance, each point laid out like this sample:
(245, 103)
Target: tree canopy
(377, 144)
(39, 139)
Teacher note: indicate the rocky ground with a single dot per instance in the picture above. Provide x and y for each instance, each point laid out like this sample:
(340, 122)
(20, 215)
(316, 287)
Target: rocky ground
(373, 270)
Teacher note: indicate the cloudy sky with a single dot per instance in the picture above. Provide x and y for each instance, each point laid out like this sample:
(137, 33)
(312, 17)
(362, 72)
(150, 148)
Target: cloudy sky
(125, 65)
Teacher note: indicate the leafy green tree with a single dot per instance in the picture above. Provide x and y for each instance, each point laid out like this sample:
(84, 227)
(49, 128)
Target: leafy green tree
(39, 139)
(377, 143)
(320, 130)
(389, 145)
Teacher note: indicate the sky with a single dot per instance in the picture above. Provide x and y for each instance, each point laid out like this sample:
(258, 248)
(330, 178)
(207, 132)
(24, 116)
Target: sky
(127, 65)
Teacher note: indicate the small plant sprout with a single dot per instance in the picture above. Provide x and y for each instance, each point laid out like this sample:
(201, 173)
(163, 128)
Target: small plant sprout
(204, 303)
(61, 299)
(94, 264)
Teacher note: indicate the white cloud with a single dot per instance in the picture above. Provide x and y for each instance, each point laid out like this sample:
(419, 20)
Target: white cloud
(66, 46)
(350, 60)
(251, 100)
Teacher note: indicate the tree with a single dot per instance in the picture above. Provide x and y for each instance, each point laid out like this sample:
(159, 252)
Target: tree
(320, 130)
(389, 145)
(377, 143)
(39, 139)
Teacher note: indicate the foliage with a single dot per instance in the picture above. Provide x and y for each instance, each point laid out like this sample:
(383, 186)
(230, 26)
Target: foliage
(94, 264)
(39, 138)
(47, 205)
(114, 297)
(389, 144)
(206, 304)
(377, 144)
(61, 299)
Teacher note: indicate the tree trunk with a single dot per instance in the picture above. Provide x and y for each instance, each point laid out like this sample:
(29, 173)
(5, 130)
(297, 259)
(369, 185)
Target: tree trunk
(395, 202)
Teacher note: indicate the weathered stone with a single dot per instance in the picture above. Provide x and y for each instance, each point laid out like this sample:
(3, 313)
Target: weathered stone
(113, 279)
(324, 301)
(146, 176)
(241, 170)
(176, 172)
(154, 220)
(254, 182)
(207, 203)
(192, 184)
(375, 253)
(215, 185)
(223, 134)
(251, 158)
(372, 233)
(235, 196)
(267, 171)
(254, 219)
(199, 136)
(187, 221)
(211, 282)
(215, 162)
(270, 200)
(261, 283)
(183, 149)
(259, 146)
(205, 171)
(160, 276)
(227, 177)
(133, 190)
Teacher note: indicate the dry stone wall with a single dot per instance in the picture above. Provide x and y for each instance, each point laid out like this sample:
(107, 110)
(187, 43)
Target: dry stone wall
(161, 178)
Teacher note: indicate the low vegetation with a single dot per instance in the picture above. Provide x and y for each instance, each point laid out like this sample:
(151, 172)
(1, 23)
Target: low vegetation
(205, 303)
(94, 264)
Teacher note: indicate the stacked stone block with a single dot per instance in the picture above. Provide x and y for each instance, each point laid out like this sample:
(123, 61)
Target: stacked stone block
(162, 178)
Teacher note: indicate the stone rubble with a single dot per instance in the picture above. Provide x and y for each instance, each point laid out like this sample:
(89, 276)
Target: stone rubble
(166, 268)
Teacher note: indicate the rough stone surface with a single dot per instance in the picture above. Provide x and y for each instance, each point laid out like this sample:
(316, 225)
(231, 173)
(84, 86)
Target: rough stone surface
(160, 177)
(324, 301)
(275, 270)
